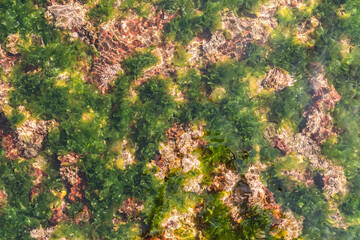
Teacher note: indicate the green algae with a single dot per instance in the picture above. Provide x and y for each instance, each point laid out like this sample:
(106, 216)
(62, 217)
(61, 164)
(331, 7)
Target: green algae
(20, 211)
(190, 23)
(232, 128)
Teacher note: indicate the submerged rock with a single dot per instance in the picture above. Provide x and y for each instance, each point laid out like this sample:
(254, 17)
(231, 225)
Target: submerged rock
(7, 60)
(306, 30)
(250, 192)
(336, 217)
(120, 39)
(30, 136)
(178, 151)
(260, 195)
(224, 179)
(303, 176)
(59, 213)
(12, 43)
(70, 173)
(184, 221)
(318, 128)
(75, 184)
(319, 123)
(42, 234)
(3, 198)
(334, 181)
(130, 209)
(291, 226)
(217, 40)
(126, 154)
(38, 174)
(27, 140)
(4, 89)
(277, 79)
(69, 16)
(188, 191)
(194, 184)
(281, 142)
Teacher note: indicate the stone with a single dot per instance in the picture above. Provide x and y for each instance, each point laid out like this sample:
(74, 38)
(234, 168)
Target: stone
(224, 179)
(194, 184)
(7, 61)
(217, 40)
(278, 80)
(303, 176)
(4, 89)
(178, 151)
(69, 16)
(30, 136)
(130, 208)
(291, 226)
(3, 198)
(319, 124)
(70, 174)
(12, 43)
(119, 39)
(306, 30)
(186, 221)
(42, 234)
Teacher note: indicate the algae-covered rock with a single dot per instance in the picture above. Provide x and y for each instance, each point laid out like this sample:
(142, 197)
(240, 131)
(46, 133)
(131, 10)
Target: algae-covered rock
(128, 119)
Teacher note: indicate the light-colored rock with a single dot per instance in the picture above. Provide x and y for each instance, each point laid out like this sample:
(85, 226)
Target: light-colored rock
(42, 234)
(178, 151)
(68, 16)
(292, 226)
(186, 221)
(277, 79)
(224, 179)
(30, 136)
(194, 185)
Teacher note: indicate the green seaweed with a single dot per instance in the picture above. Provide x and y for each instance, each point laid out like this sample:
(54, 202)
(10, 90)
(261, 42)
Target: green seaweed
(217, 222)
(22, 213)
(217, 95)
(190, 23)
(103, 11)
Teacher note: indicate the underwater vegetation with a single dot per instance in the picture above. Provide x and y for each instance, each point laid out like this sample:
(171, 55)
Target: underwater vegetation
(180, 119)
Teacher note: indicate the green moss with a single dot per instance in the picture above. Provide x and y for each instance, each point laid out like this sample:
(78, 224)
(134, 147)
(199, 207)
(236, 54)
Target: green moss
(291, 17)
(212, 157)
(107, 189)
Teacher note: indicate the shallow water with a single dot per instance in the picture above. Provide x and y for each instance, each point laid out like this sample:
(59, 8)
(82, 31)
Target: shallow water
(179, 119)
